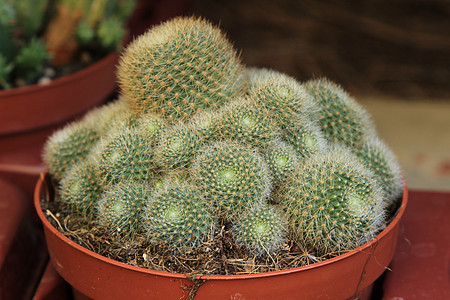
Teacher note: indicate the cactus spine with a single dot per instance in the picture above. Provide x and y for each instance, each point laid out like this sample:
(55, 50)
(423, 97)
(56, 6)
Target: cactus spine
(179, 216)
(262, 230)
(232, 176)
(333, 202)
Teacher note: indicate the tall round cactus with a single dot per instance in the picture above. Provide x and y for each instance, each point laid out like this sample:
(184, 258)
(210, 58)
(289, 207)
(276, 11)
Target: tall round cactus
(180, 67)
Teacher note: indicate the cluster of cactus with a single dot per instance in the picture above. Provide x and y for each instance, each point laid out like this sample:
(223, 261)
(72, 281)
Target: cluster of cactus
(28, 41)
(198, 141)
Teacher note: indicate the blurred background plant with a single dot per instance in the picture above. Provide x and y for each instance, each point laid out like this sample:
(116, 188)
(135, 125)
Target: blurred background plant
(42, 39)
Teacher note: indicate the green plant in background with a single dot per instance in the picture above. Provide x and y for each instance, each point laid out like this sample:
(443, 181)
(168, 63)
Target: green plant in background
(22, 51)
(197, 142)
(39, 33)
(181, 67)
(179, 216)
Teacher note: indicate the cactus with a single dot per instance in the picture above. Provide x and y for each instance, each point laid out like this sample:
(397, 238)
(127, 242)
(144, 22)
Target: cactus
(305, 136)
(121, 208)
(68, 146)
(111, 32)
(81, 188)
(245, 121)
(280, 94)
(377, 156)
(179, 216)
(333, 202)
(180, 67)
(341, 118)
(281, 159)
(125, 154)
(207, 124)
(262, 230)
(232, 176)
(177, 147)
(277, 166)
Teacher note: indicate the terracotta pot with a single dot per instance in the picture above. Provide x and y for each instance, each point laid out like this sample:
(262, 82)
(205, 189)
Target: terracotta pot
(99, 277)
(28, 115)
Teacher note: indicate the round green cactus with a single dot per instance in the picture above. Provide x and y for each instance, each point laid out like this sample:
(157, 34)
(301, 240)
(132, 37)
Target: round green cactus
(81, 188)
(281, 159)
(333, 202)
(125, 154)
(262, 230)
(177, 147)
(246, 122)
(232, 176)
(69, 146)
(305, 137)
(121, 207)
(280, 94)
(179, 216)
(207, 124)
(341, 118)
(180, 67)
(377, 156)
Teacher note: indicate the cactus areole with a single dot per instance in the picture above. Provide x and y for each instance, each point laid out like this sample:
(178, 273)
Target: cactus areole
(211, 169)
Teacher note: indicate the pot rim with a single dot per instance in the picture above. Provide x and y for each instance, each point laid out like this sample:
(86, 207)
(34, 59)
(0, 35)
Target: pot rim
(396, 219)
(60, 81)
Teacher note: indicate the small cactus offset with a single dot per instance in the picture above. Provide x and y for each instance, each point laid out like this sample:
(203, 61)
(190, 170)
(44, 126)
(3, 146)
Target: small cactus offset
(232, 176)
(262, 229)
(125, 155)
(203, 159)
(69, 146)
(341, 118)
(81, 188)
(282, 95)
(181, 67)
(281, 159)
(179, 216)
(381, 160)
(121, 207)
(247, 122)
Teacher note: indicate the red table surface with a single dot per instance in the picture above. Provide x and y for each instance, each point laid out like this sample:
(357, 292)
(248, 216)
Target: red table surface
(421, 265)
